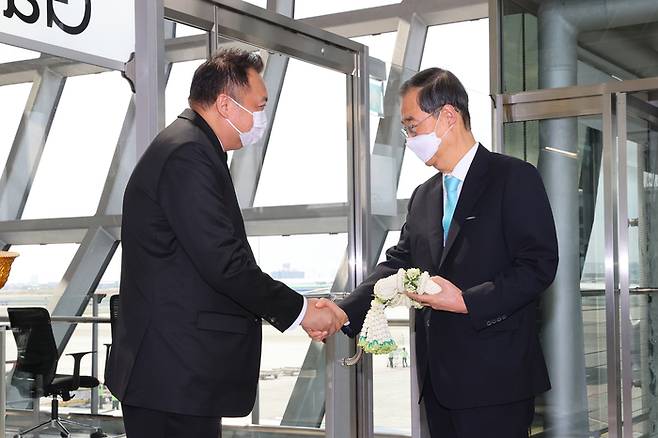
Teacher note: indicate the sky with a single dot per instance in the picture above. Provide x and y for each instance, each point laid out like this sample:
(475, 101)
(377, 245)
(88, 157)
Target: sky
(306, 160)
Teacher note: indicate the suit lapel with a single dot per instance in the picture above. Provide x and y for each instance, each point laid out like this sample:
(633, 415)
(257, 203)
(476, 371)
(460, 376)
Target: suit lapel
(435, 214)
(474, 185)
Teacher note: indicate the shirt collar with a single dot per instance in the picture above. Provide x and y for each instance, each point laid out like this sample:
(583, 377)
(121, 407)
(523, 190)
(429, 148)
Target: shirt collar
(461, 169)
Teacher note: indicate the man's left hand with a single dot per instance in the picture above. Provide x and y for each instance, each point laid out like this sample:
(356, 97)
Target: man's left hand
(449, 299)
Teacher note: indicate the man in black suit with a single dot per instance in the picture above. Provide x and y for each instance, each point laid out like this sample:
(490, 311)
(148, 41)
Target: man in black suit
(191, 292)
(484, 227)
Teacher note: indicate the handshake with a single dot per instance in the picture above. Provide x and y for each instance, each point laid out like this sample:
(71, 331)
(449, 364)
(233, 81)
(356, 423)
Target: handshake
(323, 318)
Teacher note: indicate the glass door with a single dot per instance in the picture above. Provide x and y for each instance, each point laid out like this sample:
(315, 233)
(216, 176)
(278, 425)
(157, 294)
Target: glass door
(304, 194)
(597, 152)
(637, 176)
(568, 151)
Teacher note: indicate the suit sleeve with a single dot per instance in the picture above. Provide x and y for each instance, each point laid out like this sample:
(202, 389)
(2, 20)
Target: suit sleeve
(357, 304)
(191, 198)
(530, 237)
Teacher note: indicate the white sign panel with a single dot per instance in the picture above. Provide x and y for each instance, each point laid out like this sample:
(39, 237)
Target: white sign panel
(104, 28)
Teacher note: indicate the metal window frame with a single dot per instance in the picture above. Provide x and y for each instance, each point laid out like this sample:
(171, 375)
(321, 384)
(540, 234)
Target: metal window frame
(63, 52)
(611, 272)
(382, 19)
(627, 106)
(623, 266)
(612, 102)
(567, 101)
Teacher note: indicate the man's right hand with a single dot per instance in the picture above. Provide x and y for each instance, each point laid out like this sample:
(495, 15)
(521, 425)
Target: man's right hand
(319, 321)
(339, 316)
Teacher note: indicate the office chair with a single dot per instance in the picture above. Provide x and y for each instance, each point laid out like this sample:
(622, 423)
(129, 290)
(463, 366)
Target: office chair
(114, 316)
(114, 313)
(36, 365)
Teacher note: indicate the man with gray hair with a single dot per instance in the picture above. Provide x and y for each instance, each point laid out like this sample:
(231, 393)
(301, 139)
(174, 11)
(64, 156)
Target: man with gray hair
(484, 228)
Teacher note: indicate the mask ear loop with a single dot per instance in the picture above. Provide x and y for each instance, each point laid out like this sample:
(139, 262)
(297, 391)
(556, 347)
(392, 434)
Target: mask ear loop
(227, 119)
(238, 104)
(447, 130)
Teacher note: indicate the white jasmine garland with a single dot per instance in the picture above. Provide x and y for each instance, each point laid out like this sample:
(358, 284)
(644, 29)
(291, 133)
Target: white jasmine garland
(376, 335)
(387, 288)
(428, 286)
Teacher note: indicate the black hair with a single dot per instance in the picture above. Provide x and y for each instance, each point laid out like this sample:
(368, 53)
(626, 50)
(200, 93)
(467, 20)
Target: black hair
(439, 87)
(225, 72)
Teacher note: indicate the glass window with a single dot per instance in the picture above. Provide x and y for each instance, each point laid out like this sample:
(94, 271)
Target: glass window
(82, 340)
(80, 147)
(472, 71)
(180, 78)
(581, 46)
(259, 3)
(414, 172)
(392, 380)
(35, 274)
(642, 183)
(178, 88)
(112, 275)
(380, 46)
(282, 361)
(183, 30)
(392, 385)
(11, 54)
(392, 239)
(12, 104)
(306, 161)
(307, 262)
(312, 8)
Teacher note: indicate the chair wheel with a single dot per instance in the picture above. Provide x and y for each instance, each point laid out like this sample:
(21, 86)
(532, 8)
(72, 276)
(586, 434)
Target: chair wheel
(64, 435)
(97, 434)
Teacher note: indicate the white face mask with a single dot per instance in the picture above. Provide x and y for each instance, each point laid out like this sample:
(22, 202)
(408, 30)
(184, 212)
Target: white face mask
(426, 145)
(256, 132)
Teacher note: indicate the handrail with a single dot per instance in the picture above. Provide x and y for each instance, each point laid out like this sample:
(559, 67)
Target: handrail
(633, 291)
(72, 319)
(398, 322)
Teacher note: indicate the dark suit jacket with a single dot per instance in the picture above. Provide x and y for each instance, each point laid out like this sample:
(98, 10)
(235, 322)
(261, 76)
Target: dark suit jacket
(502, 253)
(192, 297)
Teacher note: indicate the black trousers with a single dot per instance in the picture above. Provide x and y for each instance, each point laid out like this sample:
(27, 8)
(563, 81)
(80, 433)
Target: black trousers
(147, 423)
(501, 421)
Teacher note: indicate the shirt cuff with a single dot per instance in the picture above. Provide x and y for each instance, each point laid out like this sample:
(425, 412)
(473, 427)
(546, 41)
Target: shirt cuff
(300, 318)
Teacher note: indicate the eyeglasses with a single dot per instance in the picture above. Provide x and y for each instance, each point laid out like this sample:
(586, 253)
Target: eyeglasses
(410, 131)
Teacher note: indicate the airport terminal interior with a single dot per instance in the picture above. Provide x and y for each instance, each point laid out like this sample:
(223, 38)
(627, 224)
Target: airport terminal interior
(570, 86)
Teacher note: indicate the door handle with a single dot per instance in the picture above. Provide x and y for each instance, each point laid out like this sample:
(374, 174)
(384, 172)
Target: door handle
(351, 361)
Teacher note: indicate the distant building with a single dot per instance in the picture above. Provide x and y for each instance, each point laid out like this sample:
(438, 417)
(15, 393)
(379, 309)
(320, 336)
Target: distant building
(286, 273)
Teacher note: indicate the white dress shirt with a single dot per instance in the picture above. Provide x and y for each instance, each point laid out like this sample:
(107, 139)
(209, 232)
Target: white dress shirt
(460, 171)
(299, 319)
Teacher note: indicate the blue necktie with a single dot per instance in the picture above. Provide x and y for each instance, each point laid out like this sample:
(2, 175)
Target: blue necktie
(450, 185)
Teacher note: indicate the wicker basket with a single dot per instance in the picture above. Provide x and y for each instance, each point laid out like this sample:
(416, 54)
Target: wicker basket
(6, 259)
